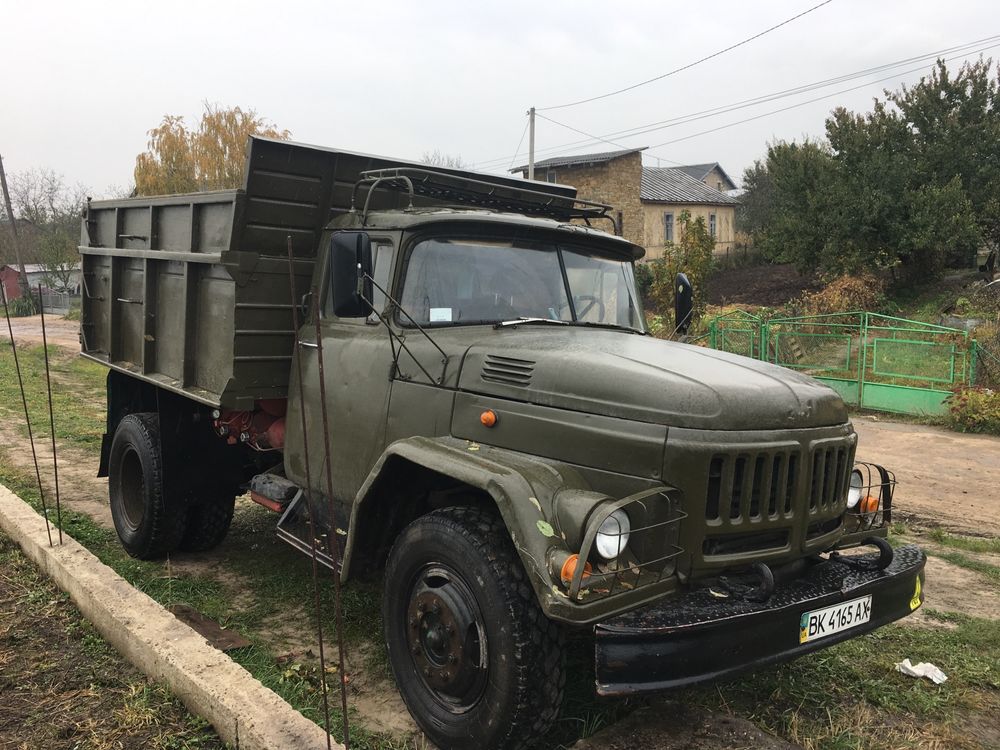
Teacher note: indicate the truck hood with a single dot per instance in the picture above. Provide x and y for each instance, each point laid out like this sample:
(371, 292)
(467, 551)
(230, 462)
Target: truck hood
(645, 379)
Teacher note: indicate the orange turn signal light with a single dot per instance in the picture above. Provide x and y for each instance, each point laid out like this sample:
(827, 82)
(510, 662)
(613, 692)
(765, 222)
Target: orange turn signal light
(869, 504)
(488, 418)
(569, 569)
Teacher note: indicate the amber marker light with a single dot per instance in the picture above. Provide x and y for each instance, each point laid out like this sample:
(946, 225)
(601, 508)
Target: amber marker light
(569, 569)
(869, 504)
(488, 418)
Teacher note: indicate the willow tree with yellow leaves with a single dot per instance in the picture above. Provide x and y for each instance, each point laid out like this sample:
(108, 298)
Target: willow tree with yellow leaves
(179, 159)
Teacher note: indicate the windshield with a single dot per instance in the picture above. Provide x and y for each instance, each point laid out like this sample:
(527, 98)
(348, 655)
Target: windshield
(458, 281)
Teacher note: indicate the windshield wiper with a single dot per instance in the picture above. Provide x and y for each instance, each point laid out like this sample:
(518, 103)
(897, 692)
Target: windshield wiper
(522, 321)
(612, 326)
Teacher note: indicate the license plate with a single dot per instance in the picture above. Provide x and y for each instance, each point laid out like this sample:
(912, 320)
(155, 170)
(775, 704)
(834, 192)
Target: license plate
(820, 623)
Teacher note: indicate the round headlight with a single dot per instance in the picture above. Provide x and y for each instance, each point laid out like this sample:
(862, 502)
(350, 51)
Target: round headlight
(612, 537)
(856, 488)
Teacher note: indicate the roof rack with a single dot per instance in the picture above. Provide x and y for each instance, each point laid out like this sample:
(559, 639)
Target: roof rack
(461, 190)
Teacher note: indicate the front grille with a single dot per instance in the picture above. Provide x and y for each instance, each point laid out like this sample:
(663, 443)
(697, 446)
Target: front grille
(760, 500)
(829, 476)
(507, 370)
(751, 485)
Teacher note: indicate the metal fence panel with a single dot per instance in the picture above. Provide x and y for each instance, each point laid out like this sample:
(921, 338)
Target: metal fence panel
(875, 361)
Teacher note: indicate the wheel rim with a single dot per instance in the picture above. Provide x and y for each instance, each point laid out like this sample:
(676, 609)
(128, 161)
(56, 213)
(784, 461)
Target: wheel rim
(132, 489)
(447, 638)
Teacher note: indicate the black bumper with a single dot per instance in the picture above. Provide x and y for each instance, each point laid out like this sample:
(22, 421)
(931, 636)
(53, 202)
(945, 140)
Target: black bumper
(697, 637)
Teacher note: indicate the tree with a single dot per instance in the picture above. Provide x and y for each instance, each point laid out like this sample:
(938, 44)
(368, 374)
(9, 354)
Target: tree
(692, 254)
(213, 157)
(45, 206)
(913, 185)
(437, 159)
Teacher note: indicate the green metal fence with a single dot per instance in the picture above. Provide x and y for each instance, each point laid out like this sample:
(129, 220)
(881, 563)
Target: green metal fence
(736, 332)
(873, 361)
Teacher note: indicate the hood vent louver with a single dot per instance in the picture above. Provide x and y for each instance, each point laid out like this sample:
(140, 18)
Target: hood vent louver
(507, 370)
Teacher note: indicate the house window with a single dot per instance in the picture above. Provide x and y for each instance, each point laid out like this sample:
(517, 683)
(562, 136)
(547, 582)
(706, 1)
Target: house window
(711, 224)
(668, 227)
(550, 176)
(720, 186)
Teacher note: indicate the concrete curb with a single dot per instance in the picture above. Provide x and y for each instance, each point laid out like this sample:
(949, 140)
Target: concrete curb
(244, 713)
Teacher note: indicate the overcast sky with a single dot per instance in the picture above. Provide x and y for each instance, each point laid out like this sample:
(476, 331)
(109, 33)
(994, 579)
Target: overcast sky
(85, 81)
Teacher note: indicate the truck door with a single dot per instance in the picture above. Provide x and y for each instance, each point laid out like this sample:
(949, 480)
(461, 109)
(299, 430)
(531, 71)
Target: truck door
(357, 361)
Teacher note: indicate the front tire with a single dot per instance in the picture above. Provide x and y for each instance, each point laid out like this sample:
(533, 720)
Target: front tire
(475, 659)
(149, 523)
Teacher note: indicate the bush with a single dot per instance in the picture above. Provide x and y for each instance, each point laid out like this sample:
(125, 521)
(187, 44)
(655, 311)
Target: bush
(21, 307)
(864, 291)
(692, 255)
(643, 280)
(974, 410)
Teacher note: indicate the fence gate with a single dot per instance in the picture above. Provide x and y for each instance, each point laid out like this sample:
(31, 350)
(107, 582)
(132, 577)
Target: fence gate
(873, 361)
(736, 332)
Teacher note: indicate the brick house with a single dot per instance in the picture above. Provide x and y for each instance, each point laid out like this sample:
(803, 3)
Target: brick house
(648, 201)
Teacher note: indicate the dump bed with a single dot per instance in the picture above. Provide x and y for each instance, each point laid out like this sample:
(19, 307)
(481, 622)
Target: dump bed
(192, 293)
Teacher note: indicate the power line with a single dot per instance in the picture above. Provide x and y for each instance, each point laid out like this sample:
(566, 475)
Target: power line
(598, 138)
(745, 103)
(801, 104)
(689, 65)
(520, 141)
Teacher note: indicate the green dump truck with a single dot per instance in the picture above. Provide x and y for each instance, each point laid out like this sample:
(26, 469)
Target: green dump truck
(507, 445)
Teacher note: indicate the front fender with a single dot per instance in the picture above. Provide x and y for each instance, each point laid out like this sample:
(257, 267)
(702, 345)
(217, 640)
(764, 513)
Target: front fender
(522, 486)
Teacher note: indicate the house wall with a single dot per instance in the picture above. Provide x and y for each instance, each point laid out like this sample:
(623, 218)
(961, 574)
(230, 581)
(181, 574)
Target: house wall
(616, 183)
(8, 277)
(714, 178)
(653, 225)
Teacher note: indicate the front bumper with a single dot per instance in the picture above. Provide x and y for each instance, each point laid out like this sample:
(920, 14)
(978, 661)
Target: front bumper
(697, 636)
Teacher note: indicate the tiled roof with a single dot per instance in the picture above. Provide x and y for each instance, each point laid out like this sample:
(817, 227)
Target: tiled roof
(580, 160)
(672, 185)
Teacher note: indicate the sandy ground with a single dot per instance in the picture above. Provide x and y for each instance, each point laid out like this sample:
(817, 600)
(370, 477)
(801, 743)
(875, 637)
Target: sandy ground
(945, 478)
(58, 331)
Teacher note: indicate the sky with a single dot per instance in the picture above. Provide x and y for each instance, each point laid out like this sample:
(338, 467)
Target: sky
(86, 81)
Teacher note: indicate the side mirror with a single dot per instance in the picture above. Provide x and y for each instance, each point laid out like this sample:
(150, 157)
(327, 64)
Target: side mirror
(683, 303)
(350, 274)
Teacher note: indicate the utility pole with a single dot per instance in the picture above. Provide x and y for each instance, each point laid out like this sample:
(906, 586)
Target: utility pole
(22, 279)
(531, 143)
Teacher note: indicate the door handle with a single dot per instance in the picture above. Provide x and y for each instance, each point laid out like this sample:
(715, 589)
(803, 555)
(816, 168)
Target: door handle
(310, 344)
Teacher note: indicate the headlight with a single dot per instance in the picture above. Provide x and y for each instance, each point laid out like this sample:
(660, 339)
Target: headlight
(856, 488)
(612, 537)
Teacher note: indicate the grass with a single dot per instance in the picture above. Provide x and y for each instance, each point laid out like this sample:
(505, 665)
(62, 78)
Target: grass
(850, 696)
(988, 545)
(990, 572)
(64, 686)
(277, 582)
(77, 394)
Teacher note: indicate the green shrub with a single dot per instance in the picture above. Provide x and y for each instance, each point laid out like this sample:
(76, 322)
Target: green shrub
(692, 255)
(643, 279)
(21, 307)
(974, 410)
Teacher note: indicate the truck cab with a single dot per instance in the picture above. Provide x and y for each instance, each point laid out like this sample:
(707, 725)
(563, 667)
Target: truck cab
(454, 388)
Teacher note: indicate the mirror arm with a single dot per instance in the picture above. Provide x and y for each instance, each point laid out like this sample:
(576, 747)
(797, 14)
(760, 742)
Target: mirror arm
(394, 337)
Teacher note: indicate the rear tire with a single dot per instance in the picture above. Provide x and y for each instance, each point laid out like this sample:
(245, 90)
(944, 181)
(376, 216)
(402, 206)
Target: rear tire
(149, 523)
(208, 523)
(475, 659)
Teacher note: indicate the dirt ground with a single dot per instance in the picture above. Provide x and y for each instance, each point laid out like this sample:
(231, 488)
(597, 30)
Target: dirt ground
(57, 330)
(769, 285)
(945, 478)
(63, 688)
